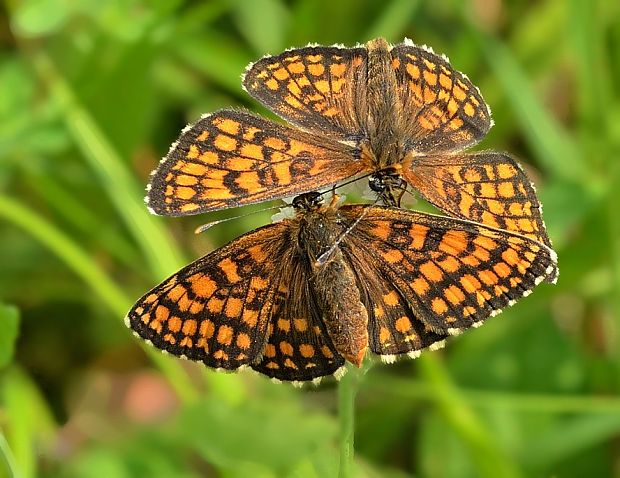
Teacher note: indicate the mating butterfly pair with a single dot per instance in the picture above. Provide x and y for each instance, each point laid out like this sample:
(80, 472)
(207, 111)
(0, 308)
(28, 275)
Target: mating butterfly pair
(295, 299)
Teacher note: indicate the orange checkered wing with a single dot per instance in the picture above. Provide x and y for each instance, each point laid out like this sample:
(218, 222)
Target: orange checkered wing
(217, 309)
(318, 88)
(488, 187)
(453, 274)
(298, 345)
(232, 158)
(392, 327)
(441, 109)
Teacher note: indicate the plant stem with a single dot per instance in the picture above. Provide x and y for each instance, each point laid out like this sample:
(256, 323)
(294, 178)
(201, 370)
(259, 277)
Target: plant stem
(347, 389)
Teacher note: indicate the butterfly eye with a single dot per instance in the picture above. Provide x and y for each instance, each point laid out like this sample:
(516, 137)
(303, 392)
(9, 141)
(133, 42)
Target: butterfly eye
(375, 182)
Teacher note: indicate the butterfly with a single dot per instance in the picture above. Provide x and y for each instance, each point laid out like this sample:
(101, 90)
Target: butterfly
(297, 298)
(400, 114)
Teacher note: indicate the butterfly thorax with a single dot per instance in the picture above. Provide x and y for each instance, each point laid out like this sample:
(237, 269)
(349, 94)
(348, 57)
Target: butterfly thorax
(384, 136)
(317, 226)
(333, 282)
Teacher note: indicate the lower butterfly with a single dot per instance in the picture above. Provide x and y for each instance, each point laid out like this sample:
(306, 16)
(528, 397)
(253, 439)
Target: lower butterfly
(297, 298)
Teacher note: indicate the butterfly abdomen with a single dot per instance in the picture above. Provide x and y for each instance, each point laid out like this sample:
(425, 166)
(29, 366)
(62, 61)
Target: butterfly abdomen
(344, 315)
(383, 105)
(333, 281)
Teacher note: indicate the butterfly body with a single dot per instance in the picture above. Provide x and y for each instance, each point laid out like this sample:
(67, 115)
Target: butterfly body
(384, 133)
(333, 282)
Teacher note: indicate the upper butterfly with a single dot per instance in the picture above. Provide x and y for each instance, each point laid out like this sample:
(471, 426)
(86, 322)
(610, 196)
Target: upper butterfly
(391, 111)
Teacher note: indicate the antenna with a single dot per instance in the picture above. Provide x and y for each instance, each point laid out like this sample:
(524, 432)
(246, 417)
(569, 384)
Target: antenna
(210, 224)
(322, 259)
(350, 181)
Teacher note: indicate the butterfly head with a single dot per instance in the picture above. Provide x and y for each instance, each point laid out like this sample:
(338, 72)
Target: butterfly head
(308, 201)
(389, 186)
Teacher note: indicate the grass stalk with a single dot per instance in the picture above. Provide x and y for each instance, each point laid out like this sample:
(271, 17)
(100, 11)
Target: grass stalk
(554, 147)
(347, 390)
(81, 219)
(67, 250)
(155, 242)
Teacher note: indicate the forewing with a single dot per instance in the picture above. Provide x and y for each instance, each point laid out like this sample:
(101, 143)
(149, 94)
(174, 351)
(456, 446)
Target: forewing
(298, 345)
(454, 274)
(231, 158)
(488, 187)
(321, 89)
(441, 109)
(217, 309)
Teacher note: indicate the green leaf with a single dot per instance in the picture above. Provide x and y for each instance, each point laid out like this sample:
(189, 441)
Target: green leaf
(9, 328)
(570, 438)
(27, 420)
(41, 17)
(277, 435)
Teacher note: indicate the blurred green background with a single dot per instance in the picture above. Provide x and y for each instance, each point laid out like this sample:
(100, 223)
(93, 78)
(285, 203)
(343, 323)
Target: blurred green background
(93, 92)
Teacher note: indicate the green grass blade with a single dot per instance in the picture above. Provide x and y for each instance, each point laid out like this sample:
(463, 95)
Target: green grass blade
(521, 402)
(489, 459)
(266, 35)
(555, 150)
(10, 468)
(71, 254)
(81, 263)
(593, 91)
(74, 212)
(156, 243)
(393, 21)
(569, 439)
(613, 215)
(9, 330)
